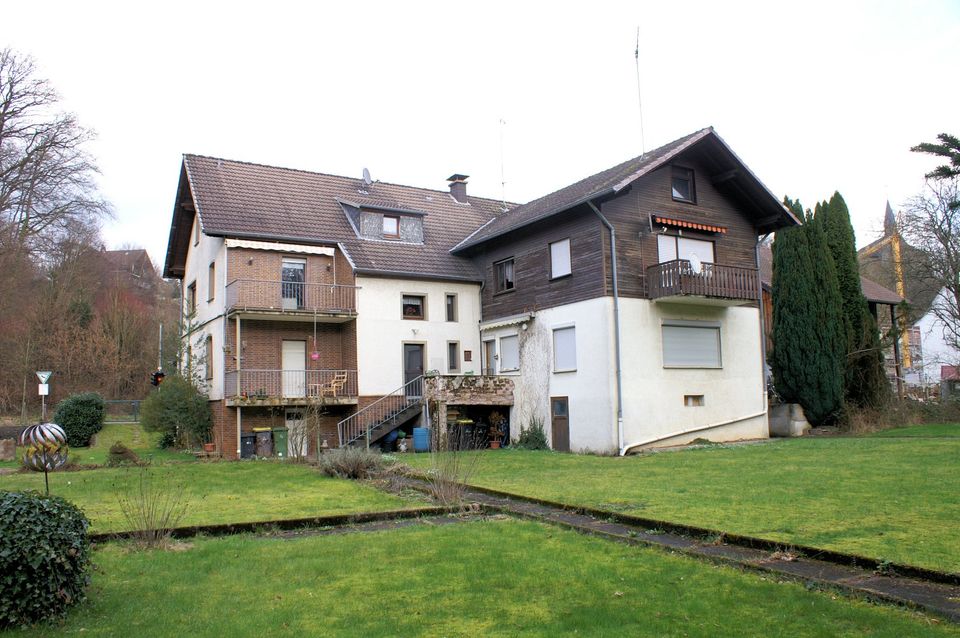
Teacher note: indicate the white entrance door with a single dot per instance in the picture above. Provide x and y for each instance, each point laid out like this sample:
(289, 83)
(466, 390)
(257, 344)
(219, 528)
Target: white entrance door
(296, 435)
(294, 368)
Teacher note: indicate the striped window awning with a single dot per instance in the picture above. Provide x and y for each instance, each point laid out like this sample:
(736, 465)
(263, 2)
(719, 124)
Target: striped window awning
(679, 223)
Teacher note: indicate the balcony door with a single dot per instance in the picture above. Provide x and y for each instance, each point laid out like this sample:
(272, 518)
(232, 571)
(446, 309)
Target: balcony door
(292, 283)
(294, 363)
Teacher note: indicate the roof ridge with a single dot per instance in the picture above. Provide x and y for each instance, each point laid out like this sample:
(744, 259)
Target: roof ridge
(320, 173)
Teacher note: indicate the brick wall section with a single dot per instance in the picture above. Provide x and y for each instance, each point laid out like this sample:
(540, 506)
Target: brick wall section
(266, 266)
(336, 343)
(224, 429)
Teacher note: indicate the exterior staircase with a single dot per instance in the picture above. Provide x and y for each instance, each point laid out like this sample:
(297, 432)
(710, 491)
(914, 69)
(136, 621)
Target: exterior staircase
(383, 416)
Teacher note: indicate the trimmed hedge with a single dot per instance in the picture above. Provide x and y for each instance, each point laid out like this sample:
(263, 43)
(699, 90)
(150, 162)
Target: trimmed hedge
(44, 556)
(80, 416)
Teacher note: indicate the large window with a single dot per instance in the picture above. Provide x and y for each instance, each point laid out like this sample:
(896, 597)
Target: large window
(565, 349)
(671, 247)
(413, 307)
(292, 278)
(560, 259)
(681, 185)
(691, 344)
(208, 357)
(451, 301)
(503, 270)
(212, 281)
(453, 356)
(192, 298)
(509, 353)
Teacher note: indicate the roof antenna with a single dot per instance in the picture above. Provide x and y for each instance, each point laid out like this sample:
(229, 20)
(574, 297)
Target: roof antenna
(503, 180)
(636, 55)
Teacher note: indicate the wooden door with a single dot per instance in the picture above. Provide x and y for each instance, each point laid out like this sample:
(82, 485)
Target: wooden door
(294, 363)
(560, 424)
(413, 367)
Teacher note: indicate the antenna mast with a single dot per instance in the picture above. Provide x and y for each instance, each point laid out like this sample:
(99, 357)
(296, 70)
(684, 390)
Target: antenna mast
(636, 55)
(503, 179)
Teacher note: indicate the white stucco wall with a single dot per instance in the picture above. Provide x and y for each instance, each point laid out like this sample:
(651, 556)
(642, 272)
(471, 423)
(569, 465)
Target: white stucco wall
(653, 396)
(381, 330)
(936, 349)
(208, 318)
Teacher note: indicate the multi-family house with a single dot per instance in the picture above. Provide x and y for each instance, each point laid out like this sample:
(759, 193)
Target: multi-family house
(620, 312)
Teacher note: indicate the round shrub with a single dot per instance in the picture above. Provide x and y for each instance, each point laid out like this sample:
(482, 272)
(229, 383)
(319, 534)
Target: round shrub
(179, 412)
(44, 556)
(80, 416)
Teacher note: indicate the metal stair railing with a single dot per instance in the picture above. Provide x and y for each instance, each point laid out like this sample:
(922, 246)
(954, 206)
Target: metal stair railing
(380, 411)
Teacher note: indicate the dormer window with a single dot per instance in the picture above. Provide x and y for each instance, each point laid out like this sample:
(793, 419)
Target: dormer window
(391, 227)
(682, 186)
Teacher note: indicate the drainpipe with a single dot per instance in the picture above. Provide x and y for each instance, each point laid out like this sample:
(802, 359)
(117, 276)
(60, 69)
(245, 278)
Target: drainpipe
(616, 323)
(763, 331)
(480, 321)
(239, 358)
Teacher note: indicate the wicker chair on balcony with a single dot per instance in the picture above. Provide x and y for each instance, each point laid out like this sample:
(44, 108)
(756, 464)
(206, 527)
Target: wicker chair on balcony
(330, 388)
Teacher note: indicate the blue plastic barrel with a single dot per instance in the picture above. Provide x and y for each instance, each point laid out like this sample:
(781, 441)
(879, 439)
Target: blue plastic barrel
(421, 439)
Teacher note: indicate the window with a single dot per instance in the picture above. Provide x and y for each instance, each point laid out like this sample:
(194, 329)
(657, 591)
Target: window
(682, 187)
(691, 344)
(564, 349)
(391, 227)
(671, 247)
(504, 273)
(192, 298)
(451, 307)
(212, 281)
(292, 278)
(413, 307)
(509, 353)
(208, 357)
(453, 356)
(560, 259)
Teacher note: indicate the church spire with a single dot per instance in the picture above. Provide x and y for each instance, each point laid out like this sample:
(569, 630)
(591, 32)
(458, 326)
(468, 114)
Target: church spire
(889, 222)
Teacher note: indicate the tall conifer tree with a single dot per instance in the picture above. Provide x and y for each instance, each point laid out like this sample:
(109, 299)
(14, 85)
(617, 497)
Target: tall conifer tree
(808, 350)
(865, 382)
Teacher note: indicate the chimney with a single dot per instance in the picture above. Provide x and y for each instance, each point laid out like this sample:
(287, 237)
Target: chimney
(458, 187)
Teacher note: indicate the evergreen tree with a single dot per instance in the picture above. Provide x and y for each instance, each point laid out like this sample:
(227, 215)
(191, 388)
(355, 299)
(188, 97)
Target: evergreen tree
(807, 357)
(865, 382)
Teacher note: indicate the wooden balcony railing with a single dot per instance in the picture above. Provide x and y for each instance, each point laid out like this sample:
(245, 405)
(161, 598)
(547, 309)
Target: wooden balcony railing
(677, 278)
(290, 384)
(285, 296)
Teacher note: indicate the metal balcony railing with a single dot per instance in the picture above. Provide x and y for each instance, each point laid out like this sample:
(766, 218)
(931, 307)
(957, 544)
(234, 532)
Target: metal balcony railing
(290, 384)
(285, 296)
(678, 278)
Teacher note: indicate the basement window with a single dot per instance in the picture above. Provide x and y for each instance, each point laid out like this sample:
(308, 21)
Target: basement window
(693, 400)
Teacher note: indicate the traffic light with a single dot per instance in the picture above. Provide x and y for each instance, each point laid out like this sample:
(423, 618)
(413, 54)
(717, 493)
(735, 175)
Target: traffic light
(157, 378)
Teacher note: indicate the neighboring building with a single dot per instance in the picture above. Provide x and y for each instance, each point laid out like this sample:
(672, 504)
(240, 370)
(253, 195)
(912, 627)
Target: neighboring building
(659, 345)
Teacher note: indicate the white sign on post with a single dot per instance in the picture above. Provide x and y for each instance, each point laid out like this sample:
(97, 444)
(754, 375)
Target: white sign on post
(44, 389)
(44, 375)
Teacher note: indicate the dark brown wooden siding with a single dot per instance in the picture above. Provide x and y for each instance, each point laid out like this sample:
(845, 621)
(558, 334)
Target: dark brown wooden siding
(650, 195)
(530, 250)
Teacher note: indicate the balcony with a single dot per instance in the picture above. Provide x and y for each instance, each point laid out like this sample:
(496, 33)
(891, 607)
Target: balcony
(291, 300)
(677, 282)
(290, 387)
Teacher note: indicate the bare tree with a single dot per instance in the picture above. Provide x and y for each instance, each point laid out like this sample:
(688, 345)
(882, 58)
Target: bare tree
(47, 179)
(930, 222)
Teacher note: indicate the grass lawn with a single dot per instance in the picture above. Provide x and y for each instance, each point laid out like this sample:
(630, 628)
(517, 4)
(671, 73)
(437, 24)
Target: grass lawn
(939, 430)
(886, 498)
(493, 578)
(130, 434)
(217, 492)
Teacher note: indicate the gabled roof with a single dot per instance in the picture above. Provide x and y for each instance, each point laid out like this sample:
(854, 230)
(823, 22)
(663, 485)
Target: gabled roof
(244, 200)
(873, 291)
(769, 212)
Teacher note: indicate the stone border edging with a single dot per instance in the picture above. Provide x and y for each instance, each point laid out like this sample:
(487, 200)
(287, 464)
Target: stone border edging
(227, 529)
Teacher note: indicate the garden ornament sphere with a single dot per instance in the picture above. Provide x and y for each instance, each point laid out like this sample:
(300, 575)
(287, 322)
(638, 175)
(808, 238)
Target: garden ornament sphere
(46, 447)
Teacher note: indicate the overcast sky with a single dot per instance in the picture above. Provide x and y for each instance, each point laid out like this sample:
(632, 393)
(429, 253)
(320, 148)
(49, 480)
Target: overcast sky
(814, 97)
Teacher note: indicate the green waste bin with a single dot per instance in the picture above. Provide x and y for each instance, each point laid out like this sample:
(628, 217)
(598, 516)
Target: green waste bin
(280, 442)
